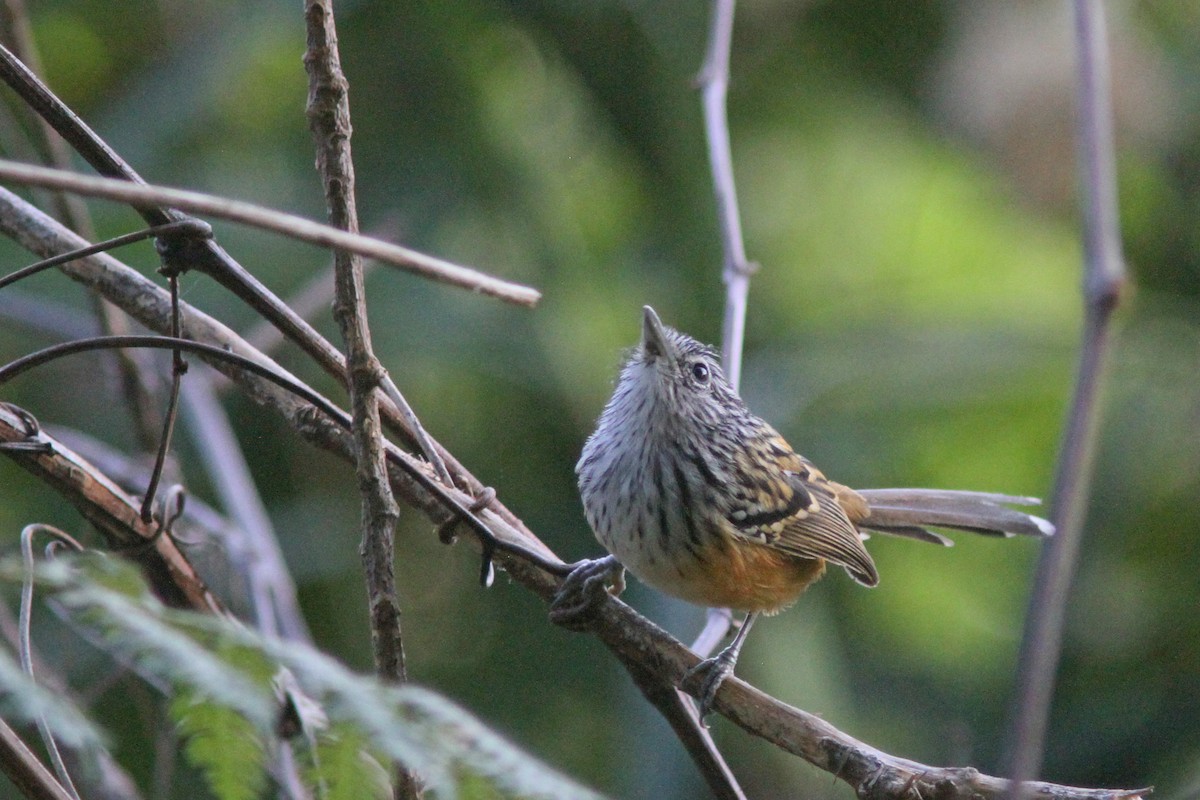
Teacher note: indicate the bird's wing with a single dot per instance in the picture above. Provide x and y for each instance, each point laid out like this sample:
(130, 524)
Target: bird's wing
(784, 502)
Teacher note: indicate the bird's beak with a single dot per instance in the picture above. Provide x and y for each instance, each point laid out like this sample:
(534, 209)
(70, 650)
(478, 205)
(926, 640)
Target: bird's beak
(654, 338)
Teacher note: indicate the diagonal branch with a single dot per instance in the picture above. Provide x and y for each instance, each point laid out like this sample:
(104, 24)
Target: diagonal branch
(142, 195)
(114, 513)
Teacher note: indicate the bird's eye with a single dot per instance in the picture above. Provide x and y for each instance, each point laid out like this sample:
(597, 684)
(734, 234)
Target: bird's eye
(700, 372)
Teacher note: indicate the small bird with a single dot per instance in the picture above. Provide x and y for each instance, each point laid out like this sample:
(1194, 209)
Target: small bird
(705, 501)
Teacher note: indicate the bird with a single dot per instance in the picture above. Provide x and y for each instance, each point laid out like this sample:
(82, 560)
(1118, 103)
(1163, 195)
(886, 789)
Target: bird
(699, 498)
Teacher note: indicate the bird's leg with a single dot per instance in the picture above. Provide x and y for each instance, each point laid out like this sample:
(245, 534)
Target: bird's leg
(715, 670)
(584, 589)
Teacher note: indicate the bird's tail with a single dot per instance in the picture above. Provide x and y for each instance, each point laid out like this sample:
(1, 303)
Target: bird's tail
(907, 512)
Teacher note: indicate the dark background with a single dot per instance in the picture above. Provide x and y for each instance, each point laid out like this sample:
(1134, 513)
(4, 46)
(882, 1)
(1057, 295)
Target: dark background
(906, 175)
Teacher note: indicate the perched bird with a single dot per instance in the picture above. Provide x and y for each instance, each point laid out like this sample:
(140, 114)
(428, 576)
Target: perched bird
(703, 500)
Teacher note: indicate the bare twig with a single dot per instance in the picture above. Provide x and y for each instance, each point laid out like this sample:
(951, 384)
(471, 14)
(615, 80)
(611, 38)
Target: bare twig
(329, 121)
(714, 85)
(1104, 279)
(141, 195)
(193, 226)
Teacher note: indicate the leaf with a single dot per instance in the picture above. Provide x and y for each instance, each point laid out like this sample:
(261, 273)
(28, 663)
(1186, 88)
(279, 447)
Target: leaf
(343, 768)
(224, 670)
(224, 745)
(103, 594)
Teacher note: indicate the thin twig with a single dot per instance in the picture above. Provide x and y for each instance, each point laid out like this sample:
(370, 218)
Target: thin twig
(178, 368)
(736, 270)
(192, 226)
(1104, 279)
(141, 195)
(714, 85)
(329, 120)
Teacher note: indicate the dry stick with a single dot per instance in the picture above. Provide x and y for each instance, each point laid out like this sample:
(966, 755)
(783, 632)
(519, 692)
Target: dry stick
(630, 636)
(329, 120)
(1104, 279)
(144, 196)
(159, 207)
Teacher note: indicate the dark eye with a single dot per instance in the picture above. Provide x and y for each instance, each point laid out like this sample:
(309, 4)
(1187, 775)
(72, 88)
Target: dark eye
(700, 372)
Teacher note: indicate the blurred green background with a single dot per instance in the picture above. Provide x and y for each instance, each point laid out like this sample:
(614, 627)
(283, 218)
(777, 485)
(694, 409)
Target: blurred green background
(906, 174)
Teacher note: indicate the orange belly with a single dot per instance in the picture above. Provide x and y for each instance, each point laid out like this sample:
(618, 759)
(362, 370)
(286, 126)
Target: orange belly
(745, 577)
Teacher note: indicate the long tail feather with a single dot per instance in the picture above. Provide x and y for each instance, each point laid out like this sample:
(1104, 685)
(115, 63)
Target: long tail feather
(906, 512)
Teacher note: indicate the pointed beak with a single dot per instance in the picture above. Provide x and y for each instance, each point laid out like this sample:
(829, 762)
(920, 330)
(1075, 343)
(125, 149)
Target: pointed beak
(654, 338)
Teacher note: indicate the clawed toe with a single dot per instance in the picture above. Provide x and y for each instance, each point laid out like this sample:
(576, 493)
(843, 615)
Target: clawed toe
(584, 590)
(705, 681)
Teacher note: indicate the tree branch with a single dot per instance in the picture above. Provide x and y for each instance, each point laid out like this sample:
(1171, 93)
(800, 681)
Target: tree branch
(142, 195)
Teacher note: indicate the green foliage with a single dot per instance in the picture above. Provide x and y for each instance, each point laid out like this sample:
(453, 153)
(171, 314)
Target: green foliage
(225, 745)
(343, 766)
(226, 706)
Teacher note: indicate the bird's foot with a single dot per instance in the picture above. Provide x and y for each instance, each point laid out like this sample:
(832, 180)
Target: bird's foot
(585, 588)
(704, 680)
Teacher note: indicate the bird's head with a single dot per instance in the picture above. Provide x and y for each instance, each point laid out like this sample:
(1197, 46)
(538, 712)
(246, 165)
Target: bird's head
(677, 374)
